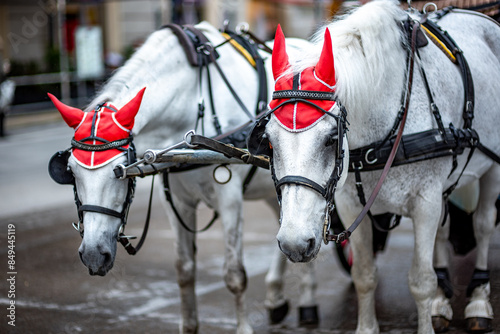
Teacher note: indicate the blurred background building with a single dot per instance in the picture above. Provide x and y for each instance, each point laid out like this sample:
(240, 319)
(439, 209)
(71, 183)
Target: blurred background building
(69, 47)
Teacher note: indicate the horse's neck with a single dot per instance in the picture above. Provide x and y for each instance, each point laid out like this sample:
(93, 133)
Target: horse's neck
(170, 105)
(167, 110)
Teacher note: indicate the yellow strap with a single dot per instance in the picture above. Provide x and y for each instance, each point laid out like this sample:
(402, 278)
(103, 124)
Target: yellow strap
(440, 44)
(240, 49)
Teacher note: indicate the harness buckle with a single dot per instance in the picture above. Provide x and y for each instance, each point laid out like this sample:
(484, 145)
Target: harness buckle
(78, 227)
(206, 48)
(326, 226)
(360, 167)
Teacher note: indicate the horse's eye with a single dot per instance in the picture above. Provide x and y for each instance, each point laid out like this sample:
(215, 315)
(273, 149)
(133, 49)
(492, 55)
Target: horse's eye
(332, 139)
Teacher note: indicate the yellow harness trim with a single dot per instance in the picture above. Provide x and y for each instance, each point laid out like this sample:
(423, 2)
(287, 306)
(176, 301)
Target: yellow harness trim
(440, 44)
(240, 49)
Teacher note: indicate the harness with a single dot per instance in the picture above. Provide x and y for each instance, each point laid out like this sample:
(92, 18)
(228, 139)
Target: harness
(434, 143)
(449, 141)
(201, 53)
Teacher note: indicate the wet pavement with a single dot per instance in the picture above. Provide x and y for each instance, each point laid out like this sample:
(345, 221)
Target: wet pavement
(55, 294)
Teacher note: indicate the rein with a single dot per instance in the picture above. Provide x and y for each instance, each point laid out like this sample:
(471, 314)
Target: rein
(409, 83)
(328, 191)
(433, 143)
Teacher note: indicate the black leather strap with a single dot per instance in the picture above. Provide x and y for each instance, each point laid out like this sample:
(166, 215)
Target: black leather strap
(168, 196)
(99, 209)
(301, 181)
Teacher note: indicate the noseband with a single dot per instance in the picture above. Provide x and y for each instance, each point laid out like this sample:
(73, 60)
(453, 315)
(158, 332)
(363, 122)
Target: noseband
(328, 190)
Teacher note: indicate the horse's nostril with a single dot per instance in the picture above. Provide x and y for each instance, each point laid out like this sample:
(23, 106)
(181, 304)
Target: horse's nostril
(311, 243)
(107, 257)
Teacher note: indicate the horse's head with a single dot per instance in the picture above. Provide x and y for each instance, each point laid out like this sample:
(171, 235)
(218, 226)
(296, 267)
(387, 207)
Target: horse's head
(102, 140)
(306, 132)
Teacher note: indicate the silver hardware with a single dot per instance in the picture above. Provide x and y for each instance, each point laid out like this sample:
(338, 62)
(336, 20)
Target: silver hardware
(187, 136)
(428, 5)
(326, 223)
(150, 155)
(360, 167)
(206, 48)
(370, 162)
(222, 174)
(78, 227)
(242, 28)
(121, 236)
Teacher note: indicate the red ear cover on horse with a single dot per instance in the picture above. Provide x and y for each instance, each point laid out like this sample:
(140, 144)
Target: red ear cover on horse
(126, 115)
(325, 69)
(72, 116)
(280, 57)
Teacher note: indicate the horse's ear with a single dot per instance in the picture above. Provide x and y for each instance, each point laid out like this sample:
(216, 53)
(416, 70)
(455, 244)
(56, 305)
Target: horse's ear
(325, 68)
(72, 116)
(125, 116)
(280, 57)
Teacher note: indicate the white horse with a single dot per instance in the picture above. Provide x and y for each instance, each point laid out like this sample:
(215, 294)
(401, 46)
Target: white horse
(364, 63)
(169, 109)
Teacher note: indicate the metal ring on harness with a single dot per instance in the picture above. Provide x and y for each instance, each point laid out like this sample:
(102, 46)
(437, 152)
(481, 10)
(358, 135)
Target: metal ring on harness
(206, 48)
(370, 162)
(242, 28)
(424, 10)
(222, 179)
(187, 136)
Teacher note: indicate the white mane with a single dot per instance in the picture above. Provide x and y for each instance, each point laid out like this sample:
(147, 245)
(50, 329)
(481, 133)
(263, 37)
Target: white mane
(365, 44)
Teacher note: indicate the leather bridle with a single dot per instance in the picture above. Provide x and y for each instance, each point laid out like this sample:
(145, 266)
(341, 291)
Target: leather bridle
(82, 208)
(328, 190)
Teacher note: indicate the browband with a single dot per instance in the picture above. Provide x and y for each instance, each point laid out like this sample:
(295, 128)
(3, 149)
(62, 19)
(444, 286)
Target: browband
(100, 147)
(303, 94)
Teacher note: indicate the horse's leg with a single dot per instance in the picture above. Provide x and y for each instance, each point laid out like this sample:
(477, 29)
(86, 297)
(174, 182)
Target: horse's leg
(364, 275)
(229, 205)
(441, 310)
(275, 302)
(308, 309)
(185, 264)
(422, 278)
(479, 313)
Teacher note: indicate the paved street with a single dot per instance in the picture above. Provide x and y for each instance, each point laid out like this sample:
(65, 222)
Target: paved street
(55, 294)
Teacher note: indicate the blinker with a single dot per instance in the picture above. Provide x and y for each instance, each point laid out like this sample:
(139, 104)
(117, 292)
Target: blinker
(257, 142)
(58, 168)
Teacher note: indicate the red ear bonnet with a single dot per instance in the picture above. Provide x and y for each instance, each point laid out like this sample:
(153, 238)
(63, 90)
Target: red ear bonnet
(300, 116)
(107, 123)
(126, 116)
(325, 69)
(280, 57)
(72, 116)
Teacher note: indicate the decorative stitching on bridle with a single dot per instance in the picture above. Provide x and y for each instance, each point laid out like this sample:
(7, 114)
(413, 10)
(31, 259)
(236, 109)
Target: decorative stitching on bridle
(108, 145)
